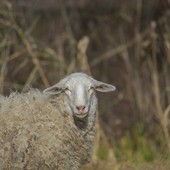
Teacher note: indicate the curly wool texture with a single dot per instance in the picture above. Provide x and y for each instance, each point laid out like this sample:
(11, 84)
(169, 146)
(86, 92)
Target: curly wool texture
(36, 133)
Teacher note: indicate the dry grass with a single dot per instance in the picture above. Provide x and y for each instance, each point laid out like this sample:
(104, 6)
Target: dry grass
(134, 56)
(127, 166)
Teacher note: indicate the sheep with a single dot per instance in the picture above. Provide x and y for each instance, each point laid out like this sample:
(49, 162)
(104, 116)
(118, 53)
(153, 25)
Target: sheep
(53, 129)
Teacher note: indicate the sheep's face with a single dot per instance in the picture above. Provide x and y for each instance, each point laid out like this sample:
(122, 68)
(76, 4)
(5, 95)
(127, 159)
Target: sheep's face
(79, 92)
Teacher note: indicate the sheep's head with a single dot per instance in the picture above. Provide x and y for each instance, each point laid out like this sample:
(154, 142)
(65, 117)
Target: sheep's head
(79, 92)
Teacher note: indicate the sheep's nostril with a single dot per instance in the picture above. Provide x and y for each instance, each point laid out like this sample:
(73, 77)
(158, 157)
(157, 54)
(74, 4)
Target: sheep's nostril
(80, 108)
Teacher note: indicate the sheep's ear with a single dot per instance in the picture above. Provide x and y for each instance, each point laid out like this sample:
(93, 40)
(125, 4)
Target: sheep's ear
(103, 87)
(56, 89)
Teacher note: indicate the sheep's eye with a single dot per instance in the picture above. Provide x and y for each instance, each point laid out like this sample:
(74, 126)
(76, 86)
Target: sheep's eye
(91, 89)
(67, 89)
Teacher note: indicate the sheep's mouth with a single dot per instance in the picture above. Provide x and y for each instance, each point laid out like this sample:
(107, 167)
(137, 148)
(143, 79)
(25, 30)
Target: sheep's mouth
(81, 115)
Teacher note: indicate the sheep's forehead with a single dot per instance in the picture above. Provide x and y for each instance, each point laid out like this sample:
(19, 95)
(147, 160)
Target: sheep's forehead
(77, 81)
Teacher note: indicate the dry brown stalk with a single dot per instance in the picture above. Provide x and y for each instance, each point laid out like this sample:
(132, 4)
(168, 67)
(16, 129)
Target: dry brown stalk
(82, 56)
(160, 113)
(71, 38)
(4, 62)
(33, 55)
(2, 73)
(119, 49)
(17, 54)
(83, 65)
(31, 76)
(130, 77)
(12, 24)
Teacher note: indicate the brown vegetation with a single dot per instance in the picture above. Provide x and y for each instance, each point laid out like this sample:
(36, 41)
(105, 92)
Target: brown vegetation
(126, 43)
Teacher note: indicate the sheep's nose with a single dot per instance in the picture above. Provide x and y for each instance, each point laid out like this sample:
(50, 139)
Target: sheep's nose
(80, 108)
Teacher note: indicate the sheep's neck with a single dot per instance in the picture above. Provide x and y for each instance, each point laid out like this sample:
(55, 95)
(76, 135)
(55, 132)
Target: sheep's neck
(81, 123)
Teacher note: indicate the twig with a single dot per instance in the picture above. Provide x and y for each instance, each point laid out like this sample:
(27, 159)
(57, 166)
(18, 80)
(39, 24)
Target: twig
(16, 54)
(31, 76)
(160, 113)
(29, 30)
(72, 40)
(28, 47)
(3, 70)
(167, 112)
(118, 49)
(2, 73)
(82, 58)
(32, 54)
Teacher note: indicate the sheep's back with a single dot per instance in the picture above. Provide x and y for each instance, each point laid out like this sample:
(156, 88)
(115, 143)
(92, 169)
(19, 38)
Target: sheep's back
(30, 128)
(36, 135)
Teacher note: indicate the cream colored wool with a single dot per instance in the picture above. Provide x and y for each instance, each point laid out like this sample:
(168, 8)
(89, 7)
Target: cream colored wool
(50, 130)
(35, 134)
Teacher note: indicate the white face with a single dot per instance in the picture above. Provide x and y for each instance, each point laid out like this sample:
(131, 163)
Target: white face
(79, 92)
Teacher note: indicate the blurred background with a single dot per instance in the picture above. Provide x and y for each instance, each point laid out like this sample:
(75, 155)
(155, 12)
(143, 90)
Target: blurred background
(125, 43)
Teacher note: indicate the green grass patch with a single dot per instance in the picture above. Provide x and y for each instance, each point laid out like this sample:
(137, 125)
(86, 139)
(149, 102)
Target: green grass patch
(137, 148)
